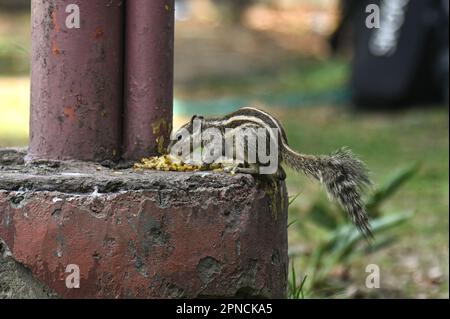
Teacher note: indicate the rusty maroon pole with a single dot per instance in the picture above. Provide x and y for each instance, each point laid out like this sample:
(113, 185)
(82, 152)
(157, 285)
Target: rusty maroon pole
(76, 79)
(148, 77)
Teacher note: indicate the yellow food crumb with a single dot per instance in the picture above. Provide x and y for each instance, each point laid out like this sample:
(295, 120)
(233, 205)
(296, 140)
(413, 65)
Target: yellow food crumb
(165, 163)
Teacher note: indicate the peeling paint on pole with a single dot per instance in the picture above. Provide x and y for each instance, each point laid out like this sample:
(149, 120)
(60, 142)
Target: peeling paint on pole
(76, 79)
(148, 77)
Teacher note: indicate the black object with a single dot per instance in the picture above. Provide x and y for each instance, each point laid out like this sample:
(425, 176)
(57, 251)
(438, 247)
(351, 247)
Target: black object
(16, 5)
(403, 62)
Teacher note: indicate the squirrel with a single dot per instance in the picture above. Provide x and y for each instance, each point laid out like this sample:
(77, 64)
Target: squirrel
(342, 174)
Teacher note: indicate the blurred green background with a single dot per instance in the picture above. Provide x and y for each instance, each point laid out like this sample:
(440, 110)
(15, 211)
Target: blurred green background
(274, 54)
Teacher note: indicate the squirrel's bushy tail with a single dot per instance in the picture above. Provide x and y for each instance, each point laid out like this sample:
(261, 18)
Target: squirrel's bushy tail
(342, 174)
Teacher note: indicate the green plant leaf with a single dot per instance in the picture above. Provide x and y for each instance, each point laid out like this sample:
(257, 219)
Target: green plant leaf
(388, 189)
(292, 199)
(301, 288)
(323, 216)
(292, 223)
(338, 241)
(381, 244)
(341, 246)
(347, 236)
(296, 291)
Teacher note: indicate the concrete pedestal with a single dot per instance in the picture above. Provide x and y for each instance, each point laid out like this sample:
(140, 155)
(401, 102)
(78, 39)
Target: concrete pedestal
(141, 234)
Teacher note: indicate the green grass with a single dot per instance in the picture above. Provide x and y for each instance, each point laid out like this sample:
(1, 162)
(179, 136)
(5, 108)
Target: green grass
(286, 77)
(335, 243)
(15, 46)
(386, 142)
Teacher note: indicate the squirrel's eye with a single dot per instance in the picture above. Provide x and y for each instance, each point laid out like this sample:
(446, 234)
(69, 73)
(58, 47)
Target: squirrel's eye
(179, 137)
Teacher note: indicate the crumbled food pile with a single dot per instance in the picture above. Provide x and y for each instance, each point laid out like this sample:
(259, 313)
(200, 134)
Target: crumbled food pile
(165, 163)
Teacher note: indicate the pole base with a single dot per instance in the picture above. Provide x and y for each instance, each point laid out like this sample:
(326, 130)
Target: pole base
(143, 234)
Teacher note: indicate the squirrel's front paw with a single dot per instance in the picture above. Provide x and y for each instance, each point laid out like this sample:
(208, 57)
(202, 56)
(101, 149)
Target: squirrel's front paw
(230, 169)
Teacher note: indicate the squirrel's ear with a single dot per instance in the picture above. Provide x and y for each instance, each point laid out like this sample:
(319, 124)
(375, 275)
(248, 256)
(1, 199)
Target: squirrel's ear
(197, 117)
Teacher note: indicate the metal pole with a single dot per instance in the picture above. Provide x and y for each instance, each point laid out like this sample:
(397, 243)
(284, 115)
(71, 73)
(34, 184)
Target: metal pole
(76, 79)
(148, 77)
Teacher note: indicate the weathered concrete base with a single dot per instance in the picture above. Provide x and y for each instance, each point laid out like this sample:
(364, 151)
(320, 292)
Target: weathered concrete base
(141, 234)
(17, 282)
